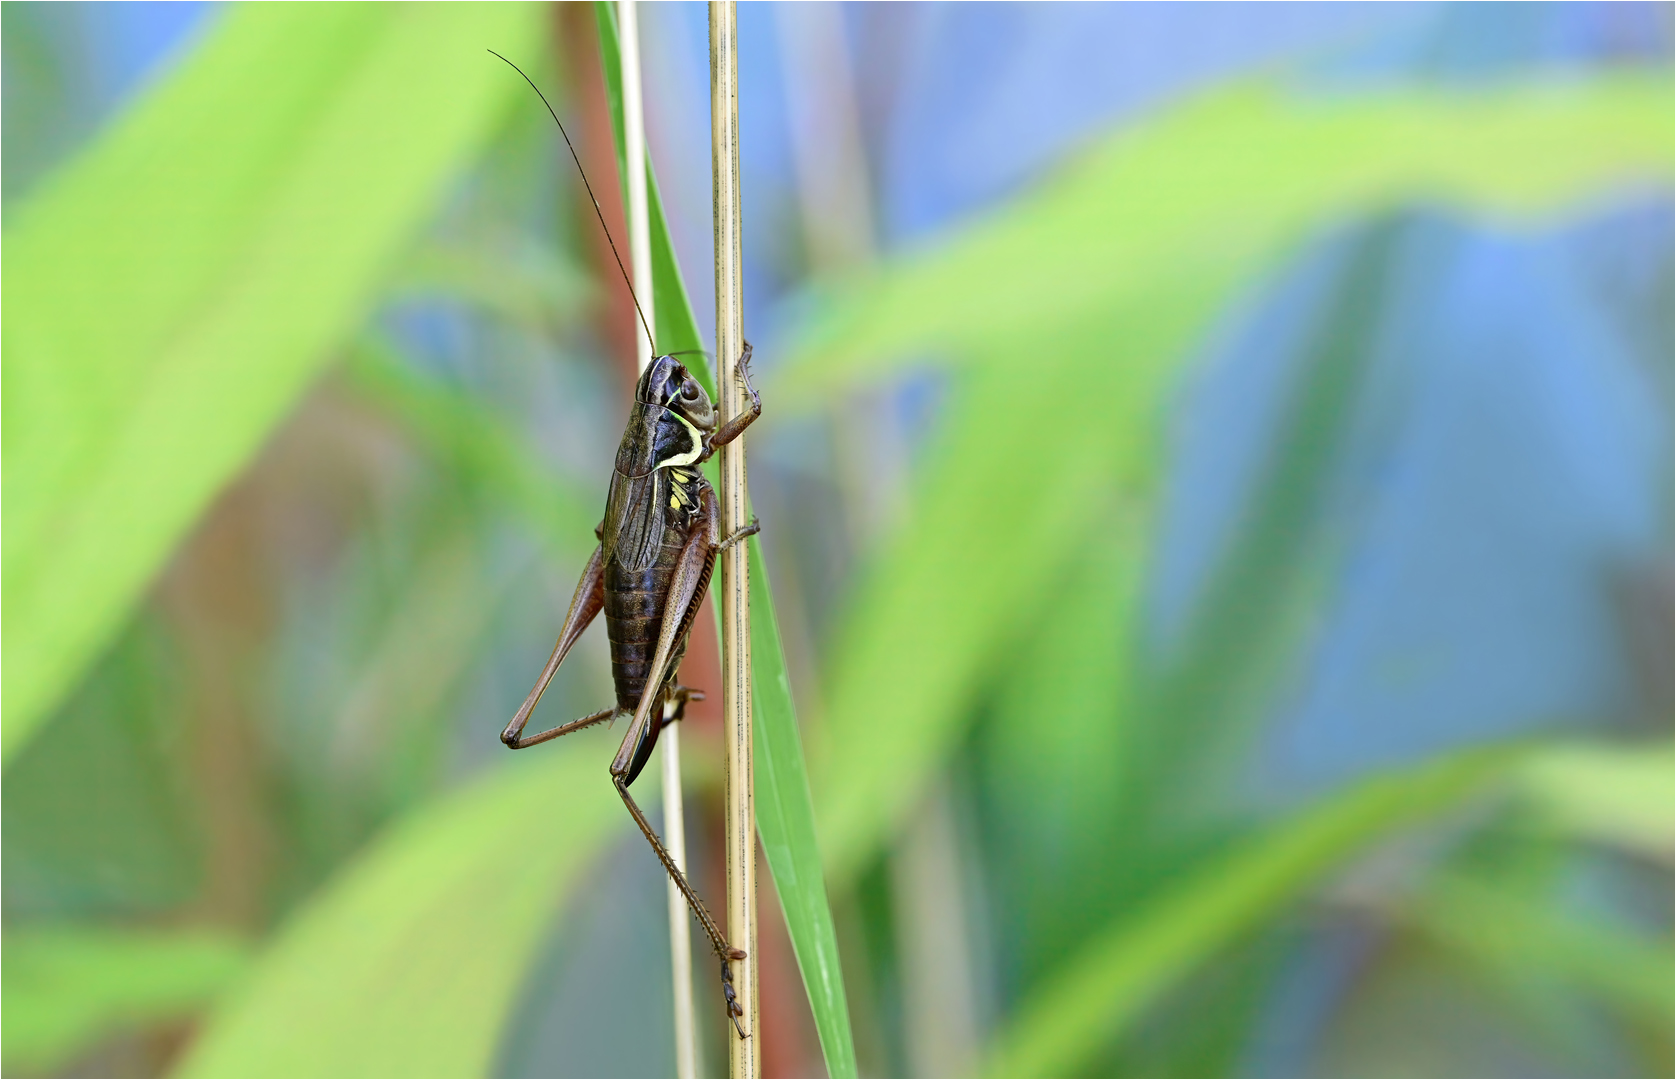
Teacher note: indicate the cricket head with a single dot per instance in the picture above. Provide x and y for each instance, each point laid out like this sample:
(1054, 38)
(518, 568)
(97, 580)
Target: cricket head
(668, 383)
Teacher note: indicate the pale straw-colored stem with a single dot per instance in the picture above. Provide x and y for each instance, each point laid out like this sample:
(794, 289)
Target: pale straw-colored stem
(745, 1054)
(640, 256)
(933, 941)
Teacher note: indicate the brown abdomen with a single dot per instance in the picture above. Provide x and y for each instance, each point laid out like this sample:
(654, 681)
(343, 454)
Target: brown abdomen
(634, 603)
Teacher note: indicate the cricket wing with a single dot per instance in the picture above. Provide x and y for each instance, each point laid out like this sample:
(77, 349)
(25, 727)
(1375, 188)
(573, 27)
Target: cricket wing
(634, 519)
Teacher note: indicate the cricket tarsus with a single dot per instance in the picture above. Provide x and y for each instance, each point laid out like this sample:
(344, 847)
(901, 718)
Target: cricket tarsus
(734, 1009)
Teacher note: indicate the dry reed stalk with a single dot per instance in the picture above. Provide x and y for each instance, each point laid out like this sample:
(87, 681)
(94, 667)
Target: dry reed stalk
(640, 257)
(745, 1054)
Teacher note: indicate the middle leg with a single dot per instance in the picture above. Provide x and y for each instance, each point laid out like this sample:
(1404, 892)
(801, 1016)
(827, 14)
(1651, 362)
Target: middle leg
(675, 703)
(739, 534)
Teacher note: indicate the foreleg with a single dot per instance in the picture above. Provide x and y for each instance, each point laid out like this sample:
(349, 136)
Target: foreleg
(736, 425)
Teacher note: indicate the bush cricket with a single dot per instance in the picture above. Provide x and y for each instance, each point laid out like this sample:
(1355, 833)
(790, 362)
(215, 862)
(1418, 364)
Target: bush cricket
(657, 547)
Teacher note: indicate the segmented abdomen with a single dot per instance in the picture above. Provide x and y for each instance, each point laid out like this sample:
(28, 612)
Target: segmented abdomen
(634, 604)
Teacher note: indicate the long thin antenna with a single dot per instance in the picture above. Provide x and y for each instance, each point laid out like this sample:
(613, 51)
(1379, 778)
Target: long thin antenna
(597, 211)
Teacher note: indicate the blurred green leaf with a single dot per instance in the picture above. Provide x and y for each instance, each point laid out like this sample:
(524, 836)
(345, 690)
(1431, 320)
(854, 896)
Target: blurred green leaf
(174, 289)
(479, 443)
(1055, 748)
(1616, 795)
(1227, 183)
(104, 824)
(417, 656)
(1132, 774)
(1248, 623)
(784, 808)
(1074, 309)
(68, 986)
(1011, 488)
(1520, 935)
(368, 730)
(1143, 952)
(407, 963)
(513, 278)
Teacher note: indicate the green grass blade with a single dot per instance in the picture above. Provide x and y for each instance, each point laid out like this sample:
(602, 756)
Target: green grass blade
(786, 823)
(1259, 603)
(1056, 748)
(1509, 929)
(914, 651)
(467, 434)
(1231, 182)
(69, 986)
(1095, 290)
(785, 811)
(1615, 795)
(407, 963)
(1144, 952)
(172, 292)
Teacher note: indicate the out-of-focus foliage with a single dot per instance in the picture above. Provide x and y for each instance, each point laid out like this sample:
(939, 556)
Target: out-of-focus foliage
(1088, 297)
(304, 342)
(1227, 183)
(1158, 944)
(1610, 795)
(477, 443)
(174, 290)
(1120, 971)
(68, 984)
(408, 964)
(1066, 318)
